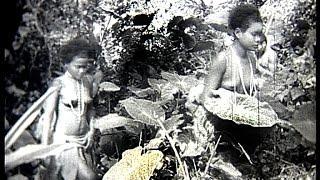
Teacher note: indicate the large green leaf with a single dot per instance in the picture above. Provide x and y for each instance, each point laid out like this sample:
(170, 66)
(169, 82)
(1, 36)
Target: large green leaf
(164, 87)
(18, 177)
(27, 118)
(171, 123)
(25, 139)
(112, 120)
(30, 153)
(304, 121)
(172, 84)
(108, 87)
(173, 78)
(157, 84)
(141, 92)
(144, 111)
(242, 109)
(226, 168)
(184, 83)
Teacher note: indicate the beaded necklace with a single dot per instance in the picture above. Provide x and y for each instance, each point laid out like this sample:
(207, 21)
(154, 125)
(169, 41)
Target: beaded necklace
(252, 87)
(80, 91)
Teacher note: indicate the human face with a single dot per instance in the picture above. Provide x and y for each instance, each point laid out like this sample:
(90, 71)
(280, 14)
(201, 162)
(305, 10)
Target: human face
(252, 37)
(78, 67)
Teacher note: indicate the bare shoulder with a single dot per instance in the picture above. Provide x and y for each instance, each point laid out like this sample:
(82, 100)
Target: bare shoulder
(56, 82)
(219, 62)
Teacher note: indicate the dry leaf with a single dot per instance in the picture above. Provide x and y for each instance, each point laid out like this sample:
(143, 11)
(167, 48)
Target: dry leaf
(134, 166)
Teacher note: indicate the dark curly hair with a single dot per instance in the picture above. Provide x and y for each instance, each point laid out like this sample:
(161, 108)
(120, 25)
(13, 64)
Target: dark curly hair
(302, 25)
(79, 46)
(242, 15)
(297, 41)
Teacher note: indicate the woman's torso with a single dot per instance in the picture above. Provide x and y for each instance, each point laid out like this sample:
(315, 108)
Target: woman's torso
(74, 99)
(239, 73)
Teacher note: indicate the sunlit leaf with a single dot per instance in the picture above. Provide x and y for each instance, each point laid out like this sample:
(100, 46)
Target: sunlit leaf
(282, 94)
(188, 82)
(184, 83)
(109, 87)
(172, 122)
(18, 177)
(144, 111)
(168, 91)
(134, 166)
(141, 92)
(30, 153)
(157, 84)
(173, 78)
(135, 127)
(164, 87)
(191, 149)
(226, 168)
(112, 120)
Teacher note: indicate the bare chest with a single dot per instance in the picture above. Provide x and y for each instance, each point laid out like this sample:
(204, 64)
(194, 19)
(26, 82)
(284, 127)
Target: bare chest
(238, 75)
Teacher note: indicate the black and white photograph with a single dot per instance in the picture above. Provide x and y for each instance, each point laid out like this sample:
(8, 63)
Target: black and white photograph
(160, 90)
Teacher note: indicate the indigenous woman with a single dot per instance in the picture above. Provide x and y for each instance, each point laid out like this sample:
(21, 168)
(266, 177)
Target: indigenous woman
(232, 73)
(68, 113)
(235, 67)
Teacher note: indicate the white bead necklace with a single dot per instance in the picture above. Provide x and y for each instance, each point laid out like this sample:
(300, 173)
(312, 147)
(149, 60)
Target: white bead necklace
(80, 107)
(253, 87)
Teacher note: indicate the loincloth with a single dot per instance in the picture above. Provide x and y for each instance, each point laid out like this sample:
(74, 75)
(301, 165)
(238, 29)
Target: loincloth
(74, 162)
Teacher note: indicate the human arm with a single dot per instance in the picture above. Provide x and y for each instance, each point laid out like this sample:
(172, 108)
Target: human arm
(97, 77)
(213, 79)
(95, 80)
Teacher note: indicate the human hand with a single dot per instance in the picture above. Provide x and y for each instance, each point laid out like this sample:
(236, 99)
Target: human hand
(207, 95)
(91, 135)
(195, 93)
(90, 140)
(259, 82)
